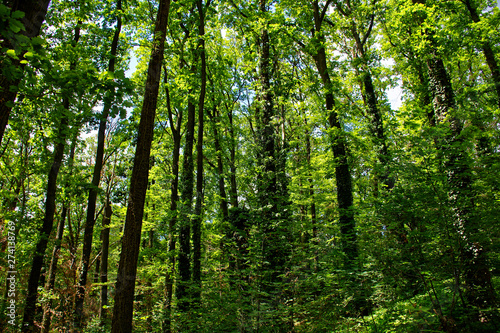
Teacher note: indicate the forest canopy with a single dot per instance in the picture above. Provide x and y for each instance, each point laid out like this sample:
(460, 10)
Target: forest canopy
(250, 166)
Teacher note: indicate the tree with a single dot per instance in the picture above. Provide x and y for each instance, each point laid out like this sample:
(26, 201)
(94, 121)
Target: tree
(34, 15)
(50, 206)
(96, 178)
(125, 284)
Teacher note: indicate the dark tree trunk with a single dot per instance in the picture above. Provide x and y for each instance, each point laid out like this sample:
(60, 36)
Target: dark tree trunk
(174, 198)
(57, 246)
(96, 178)
(370, 100)
(186, 189)
(187, 196)
(456, 164)
(199, 160)
(34, 16)
(377, 128)
(220, 165)
(127, 267)
(487, 50)
(46, 229)
(106, 219)
(271, 188)
(312, 206)
(477, 277)
(342, 172)
(233, 193)
(50, 208)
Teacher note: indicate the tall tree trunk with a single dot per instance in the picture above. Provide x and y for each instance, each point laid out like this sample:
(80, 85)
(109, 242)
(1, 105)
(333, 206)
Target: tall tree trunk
(174, 198)
(34, 16)
(477, 276)
(96, 178)
(50, 208)
(312, 206)
(271, 188)
(127, 267)
(186, 189)
(370, 100)
(233, 193)
(106, 219)
(487, 50)
(58, 243)
(342, 172)
(187, 195)
(197, 221)
(376, 127)
(484, 144)
(223, 205)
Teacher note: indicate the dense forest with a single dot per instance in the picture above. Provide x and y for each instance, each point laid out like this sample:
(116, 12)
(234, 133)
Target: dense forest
(250, 166)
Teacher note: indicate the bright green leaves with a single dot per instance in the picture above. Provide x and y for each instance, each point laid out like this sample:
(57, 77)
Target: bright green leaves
(12, 53)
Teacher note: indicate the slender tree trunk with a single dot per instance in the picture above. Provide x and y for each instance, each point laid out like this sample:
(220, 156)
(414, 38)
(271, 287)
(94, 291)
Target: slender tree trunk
(312, 206)
(186, 189)
(342, 172)
(103, 311)
(47, 314)
(127, 267)
(487, 50)
(233, 193)
(484, 144)
(371, 103)
(96, 178)
(50, 208)
(271, 189)
(34, 16)
(377, 128)
(197, 221)
(46, 229)
(220, 166)
(174, 198)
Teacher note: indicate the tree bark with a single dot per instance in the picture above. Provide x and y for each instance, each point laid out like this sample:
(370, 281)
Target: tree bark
(456, 164)
(233, 193)
(50, 208)
(96, 178)
(34, 16)
(106, 219)
(477, 276)
(487, 50)
(57, 247)
(223, 205)
(342, 172)
(271, 188)
(370, 100)
(127, 267)
(174, 198)
(197, 222)
(186, 189)
(187, 196)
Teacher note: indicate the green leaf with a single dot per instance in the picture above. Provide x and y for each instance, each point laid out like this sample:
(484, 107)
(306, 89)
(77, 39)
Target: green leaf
(16, 26)
(37, 41)
(18, 14)
(12, 53)
(29, 55)
(4, 10)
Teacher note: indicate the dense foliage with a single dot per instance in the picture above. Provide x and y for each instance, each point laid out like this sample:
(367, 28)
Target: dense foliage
(250, 166)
